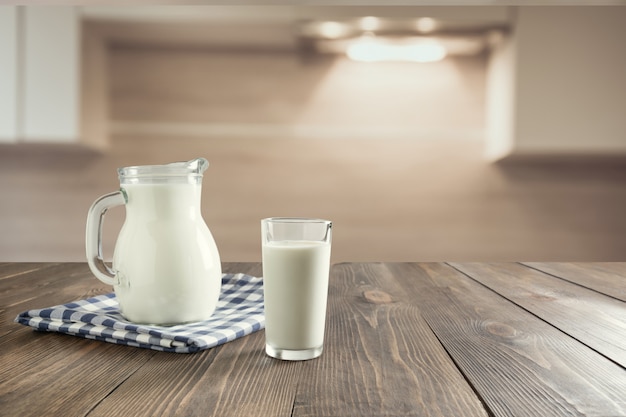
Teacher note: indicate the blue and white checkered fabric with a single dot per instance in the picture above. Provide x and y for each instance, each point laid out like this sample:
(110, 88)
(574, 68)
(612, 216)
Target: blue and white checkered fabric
(239, 312)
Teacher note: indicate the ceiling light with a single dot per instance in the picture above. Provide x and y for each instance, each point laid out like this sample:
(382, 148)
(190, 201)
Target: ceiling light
(405, 39)
(377, 50)
(426, 24)
(332, 30)
(426, 52)
(369, 23)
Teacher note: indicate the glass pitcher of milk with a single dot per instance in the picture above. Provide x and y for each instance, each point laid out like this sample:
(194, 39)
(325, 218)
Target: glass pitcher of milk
(166, 267)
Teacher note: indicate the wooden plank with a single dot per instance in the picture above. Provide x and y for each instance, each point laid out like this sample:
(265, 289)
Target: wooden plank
(48, 373)
(11, 269)
(517, 363)
(47, 279)
(605, 277)
(64, 375)
(53, 374)
(381, 358)
(50, 284)
(594, 319)
(235, 379)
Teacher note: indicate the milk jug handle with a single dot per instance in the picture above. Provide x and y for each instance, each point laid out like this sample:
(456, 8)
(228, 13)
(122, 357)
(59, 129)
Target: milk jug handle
(93, 235)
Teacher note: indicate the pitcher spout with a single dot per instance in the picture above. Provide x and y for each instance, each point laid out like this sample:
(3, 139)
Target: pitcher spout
(198, 165)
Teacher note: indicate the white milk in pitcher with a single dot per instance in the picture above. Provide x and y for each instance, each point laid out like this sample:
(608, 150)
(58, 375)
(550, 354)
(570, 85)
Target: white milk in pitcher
(295, 279)
(165, 256)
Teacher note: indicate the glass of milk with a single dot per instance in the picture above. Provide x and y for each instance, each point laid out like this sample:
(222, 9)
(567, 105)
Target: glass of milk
(296, 264)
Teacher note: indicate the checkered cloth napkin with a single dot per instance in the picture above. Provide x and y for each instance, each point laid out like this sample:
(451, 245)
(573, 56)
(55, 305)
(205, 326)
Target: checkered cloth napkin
(239, 312)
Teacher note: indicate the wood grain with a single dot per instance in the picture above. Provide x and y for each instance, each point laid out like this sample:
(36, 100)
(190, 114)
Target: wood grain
(48, 373)
(65, 376)
(595, 320)
(233, 379)
(44, 286)
(381, 358)
(11, 269)
(605, 277)
(405, 339)
(54, 374)
(517, 363)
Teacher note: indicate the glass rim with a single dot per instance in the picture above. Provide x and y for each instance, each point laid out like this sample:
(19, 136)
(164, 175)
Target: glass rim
(303, 220)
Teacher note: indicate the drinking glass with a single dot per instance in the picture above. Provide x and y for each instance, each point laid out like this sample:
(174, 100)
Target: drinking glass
(296, 265)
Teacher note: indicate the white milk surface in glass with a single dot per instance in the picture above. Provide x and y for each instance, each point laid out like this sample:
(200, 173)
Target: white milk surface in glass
(295, 280)
(165, 256)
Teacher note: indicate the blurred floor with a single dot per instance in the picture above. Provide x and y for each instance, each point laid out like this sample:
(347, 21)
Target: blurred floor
(390, 200)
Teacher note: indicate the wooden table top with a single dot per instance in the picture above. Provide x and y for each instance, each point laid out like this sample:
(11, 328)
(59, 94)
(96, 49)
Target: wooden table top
(402, 339)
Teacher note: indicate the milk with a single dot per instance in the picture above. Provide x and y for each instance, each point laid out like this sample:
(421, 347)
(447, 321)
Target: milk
(295, 280)
(166, 260)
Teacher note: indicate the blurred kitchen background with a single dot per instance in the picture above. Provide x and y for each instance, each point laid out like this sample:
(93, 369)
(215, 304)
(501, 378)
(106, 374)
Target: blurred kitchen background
(424, 133)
